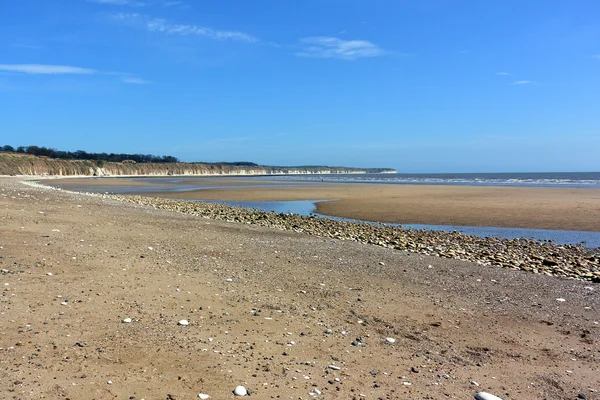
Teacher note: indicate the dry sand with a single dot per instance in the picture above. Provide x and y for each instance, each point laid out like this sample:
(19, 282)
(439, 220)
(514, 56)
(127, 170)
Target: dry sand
(259, 303)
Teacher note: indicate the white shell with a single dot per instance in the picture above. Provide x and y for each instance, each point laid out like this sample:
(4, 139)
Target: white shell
(127, 320)
(486, 396)
(240, 391)
(203, 396)
(183, 322)
(390, 340)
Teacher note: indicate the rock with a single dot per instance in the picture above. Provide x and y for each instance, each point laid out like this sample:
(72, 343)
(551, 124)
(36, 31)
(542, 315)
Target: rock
(549, 262)
(183, 322)
(582, 396)
(486, 396)
(240, 391)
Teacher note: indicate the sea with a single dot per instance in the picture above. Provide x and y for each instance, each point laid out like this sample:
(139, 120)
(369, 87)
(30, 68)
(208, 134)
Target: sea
(308, 207)
(525, 179)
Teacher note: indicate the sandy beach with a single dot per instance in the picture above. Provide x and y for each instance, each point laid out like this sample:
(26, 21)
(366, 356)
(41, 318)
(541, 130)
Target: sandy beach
(284, 314)
(518, 207)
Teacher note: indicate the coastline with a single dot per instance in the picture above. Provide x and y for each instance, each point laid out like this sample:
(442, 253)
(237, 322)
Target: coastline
(269, 309)
(539, 257)
(512, 207)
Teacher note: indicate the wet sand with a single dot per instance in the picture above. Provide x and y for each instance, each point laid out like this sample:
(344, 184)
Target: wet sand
(276, 311)
(542, 208)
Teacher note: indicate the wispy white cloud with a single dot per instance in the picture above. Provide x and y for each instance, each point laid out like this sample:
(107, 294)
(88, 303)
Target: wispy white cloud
(524, 82)
(135, 81)
(332, 47)
(596, 56)
(502, 73)
(49, 69)
(46, 69)
(163, 26)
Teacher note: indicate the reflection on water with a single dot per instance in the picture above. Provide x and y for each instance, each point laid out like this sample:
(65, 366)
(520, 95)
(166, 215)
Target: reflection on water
(308, 207)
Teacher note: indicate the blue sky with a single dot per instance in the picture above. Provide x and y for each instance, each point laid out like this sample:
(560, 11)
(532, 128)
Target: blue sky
(421, 86)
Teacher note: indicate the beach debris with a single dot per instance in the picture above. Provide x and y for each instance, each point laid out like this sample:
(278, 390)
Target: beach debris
(127, 320)
(474, 383)
(315, 392)
(203, 396)
(49, 273)
(486, 396)
(334, 367)
(560, 299)
(183, 322)
(229, 280)
(390, 340)
(240, 391)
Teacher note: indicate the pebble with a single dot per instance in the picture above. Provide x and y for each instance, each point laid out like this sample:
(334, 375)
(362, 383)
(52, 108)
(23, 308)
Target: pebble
(240, 391)
(183, 322)
(486, 396)
(203, 396)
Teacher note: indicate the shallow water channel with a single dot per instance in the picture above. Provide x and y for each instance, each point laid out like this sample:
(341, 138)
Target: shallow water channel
(308, 207)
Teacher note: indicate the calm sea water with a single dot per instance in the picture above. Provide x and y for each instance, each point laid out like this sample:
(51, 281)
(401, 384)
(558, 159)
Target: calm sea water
(531, 179)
